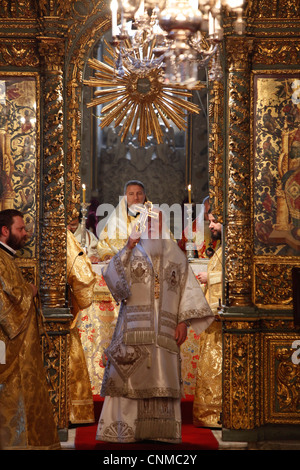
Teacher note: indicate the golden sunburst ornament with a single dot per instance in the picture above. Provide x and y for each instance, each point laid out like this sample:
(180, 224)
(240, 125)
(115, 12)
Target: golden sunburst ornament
(135, 97)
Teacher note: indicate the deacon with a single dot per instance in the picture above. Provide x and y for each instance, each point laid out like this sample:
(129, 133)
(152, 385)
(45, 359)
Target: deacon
(26, 413)
(81, 281)
(159, 297)
(207, 405)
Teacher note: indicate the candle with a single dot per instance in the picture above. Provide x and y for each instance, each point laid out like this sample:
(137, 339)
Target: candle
(217, 25)
(83, 193)
(114, 17)
(211, 23)
(193, 4)
(190, 194)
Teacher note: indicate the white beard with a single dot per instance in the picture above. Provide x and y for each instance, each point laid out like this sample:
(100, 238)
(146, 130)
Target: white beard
(153, 247)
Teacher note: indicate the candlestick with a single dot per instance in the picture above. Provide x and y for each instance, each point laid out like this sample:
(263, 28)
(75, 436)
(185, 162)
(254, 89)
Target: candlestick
(189, 246)
(84, 209)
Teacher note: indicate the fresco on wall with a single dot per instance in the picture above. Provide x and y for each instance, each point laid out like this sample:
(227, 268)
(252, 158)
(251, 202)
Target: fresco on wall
(18, 151)
(277, 165)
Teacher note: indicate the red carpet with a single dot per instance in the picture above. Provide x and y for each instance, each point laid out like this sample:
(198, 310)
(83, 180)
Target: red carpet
(192, 438)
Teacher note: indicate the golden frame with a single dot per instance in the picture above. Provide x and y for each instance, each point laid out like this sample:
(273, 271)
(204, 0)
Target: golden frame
(280, 379)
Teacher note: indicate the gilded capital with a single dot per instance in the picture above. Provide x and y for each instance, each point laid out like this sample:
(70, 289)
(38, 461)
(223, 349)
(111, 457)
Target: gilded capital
(52, 53)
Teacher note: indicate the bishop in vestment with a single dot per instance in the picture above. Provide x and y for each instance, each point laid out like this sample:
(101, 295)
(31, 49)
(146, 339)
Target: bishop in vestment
(159, 294)
(26, 413)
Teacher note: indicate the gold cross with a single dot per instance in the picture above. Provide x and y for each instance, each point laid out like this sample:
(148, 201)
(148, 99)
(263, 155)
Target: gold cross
(145, 211)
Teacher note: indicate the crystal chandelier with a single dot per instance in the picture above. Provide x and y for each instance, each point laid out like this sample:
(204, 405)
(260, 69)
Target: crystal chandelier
(178, 36)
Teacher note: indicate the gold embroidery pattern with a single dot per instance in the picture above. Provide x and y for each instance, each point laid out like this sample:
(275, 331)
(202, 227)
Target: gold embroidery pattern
(156, 419)
(109, 387)
(122, 290)
(138, 324)
(118, 431)
(126, 358)
(173, 276)
(139, 269)
(158, 408)
(156, 269)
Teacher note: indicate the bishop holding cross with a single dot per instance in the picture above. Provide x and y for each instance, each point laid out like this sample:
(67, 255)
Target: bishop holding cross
(159, 300)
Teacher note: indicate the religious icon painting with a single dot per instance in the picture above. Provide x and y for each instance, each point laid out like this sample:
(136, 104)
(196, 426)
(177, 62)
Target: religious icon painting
(18, 150)
(277, 164)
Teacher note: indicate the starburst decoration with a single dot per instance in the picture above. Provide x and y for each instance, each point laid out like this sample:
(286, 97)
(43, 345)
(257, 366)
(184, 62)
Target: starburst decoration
(134, 95)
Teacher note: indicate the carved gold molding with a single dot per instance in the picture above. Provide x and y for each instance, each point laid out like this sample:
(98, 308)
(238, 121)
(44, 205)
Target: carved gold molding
(77, 61)
(216, 149)
(18, 53)
(238, 250)
(260, 373)
(240, 375)
(281, 379)
(268, 52)
(53, 226)
(56, 350)
(273, 282)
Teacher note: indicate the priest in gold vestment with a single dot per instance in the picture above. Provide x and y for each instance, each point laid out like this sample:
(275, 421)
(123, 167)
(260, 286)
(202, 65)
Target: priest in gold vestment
(81, 281)
(207, 406)
(115, 234)
(26, 413)
(159, 295)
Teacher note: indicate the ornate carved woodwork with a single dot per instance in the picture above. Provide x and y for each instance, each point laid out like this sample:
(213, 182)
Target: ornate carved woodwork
(261, 372)
(53, 39)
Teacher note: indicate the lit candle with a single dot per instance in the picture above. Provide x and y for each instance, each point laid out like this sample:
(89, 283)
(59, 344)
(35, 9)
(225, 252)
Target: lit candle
(83, 193)
(114, 17)
(193, 4)
(190, 193)
(211, 23)
(217, 25)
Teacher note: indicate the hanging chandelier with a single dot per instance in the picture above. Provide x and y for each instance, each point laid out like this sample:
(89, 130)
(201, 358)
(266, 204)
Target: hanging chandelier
(179, 35)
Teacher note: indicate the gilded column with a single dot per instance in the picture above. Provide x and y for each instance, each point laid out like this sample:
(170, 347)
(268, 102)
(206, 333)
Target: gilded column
(53, 226)
(216, 149)
(238, 251)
